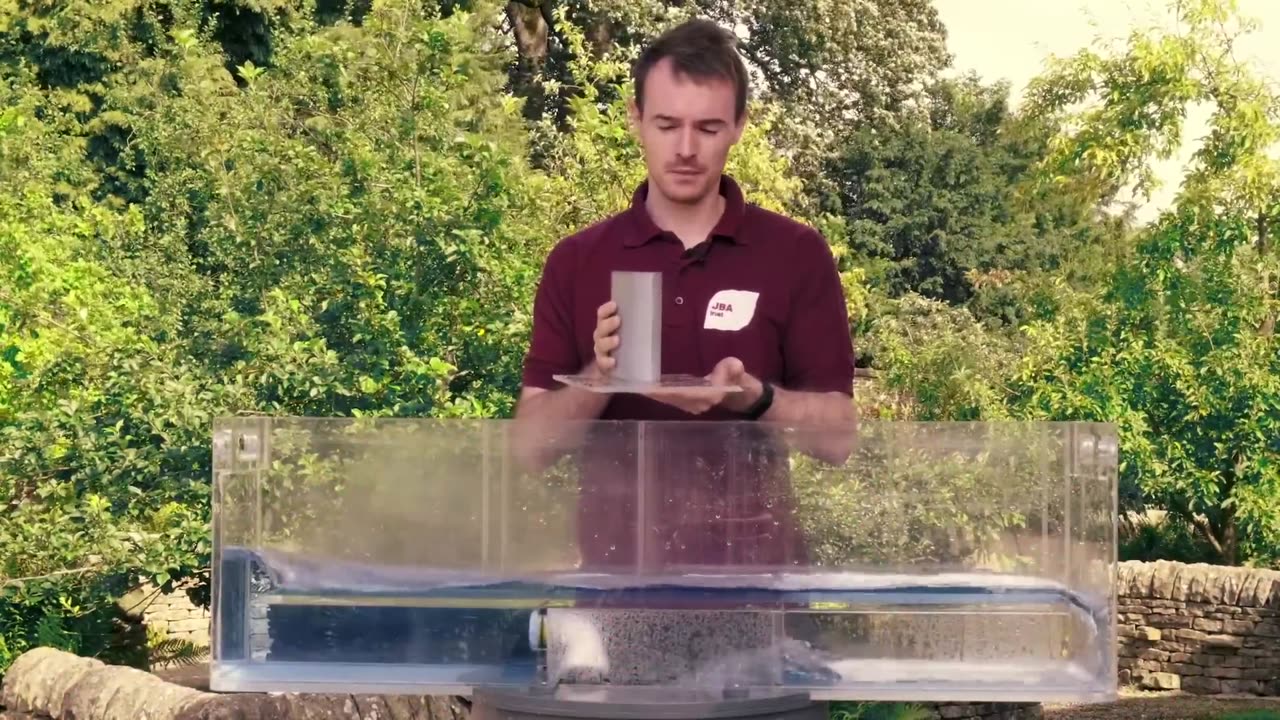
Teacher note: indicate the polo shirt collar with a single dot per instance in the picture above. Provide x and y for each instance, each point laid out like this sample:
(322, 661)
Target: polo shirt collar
(643, 228)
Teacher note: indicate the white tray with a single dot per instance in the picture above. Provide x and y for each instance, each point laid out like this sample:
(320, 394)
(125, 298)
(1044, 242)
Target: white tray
(684, 384)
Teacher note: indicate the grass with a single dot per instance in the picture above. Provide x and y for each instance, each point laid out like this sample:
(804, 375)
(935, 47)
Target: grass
(1139, 704)
(878, 711)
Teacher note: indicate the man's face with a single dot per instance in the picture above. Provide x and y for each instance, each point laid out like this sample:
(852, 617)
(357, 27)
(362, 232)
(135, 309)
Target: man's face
(686, 130)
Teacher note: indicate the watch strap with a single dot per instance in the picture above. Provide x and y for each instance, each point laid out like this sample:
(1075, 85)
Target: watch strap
(762, 403)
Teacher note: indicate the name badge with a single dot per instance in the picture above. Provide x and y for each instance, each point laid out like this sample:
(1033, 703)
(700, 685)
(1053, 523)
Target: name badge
(731, 310)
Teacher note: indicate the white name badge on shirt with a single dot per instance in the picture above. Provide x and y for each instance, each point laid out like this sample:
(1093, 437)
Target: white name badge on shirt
(731, 310)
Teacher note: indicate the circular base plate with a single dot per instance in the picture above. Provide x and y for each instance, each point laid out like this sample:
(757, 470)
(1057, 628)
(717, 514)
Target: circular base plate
(632, 703)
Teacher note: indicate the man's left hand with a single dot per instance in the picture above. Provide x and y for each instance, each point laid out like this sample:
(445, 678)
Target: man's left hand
(729, 371)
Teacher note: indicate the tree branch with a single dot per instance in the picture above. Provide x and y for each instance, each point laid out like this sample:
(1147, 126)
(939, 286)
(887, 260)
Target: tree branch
(14, 582)
(1268, 327)
(1180, 506)
(530, 30)
(1202, 524)
(413, 113)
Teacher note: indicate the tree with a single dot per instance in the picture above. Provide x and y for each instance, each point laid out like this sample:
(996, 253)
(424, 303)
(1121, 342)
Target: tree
(354, 231)
(1179, 348)
(823, 66)
(862, 62)
(940, 206)
(100, 421)
(859, 59)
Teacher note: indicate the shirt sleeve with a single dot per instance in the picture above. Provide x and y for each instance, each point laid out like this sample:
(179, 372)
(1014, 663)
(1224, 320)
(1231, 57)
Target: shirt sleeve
(818, 342)
(552, 346)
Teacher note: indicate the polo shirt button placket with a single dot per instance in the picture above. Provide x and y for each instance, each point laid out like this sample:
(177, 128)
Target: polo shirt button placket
(678, 316)
(682, 269)
(685, 351)
(680, 310)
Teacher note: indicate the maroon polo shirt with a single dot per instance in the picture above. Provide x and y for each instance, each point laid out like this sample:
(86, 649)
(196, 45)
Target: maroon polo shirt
(762, 288)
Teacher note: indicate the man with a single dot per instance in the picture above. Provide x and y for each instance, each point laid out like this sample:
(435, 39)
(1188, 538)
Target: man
(691, 222)
(751, 298)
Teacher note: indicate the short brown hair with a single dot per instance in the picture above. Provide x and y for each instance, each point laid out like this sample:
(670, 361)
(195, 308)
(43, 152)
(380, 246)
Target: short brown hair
(699, 49)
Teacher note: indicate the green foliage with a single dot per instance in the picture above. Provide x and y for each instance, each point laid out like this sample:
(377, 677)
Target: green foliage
(872, 70)
(878, 711)
(1249, 715)
(942, 495)
(354, 230)
(1147, 538)
(402, 183)
(814, 61)
(1175, 342)
(1175, 357)
(164, 651)
(88, 399)
(926, 346)
(927, 203)
(941, 206)
(126, 331)
(877, 67)
(1179, 348)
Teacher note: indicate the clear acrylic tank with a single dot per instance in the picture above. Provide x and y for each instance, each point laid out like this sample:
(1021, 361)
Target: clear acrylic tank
(877, 561)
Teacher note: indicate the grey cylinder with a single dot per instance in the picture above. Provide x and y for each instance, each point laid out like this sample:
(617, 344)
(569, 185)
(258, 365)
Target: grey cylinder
(638, 296)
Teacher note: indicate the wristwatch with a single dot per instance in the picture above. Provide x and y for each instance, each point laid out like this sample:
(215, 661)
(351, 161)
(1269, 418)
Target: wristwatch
(762, 403)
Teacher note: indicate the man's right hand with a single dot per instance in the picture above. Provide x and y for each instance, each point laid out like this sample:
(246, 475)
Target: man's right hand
(606, 336)
(550, 421)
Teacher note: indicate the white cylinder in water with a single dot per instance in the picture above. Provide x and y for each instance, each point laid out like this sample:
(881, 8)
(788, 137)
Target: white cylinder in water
(638, 296)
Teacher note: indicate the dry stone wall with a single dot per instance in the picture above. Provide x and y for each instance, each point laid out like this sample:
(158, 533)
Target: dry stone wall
(174, 614)
(1198, 628)
(48, 684)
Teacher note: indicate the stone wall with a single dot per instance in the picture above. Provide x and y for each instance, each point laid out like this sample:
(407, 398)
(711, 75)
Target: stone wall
(48, 684)
(174, 614)
(1199, 628)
